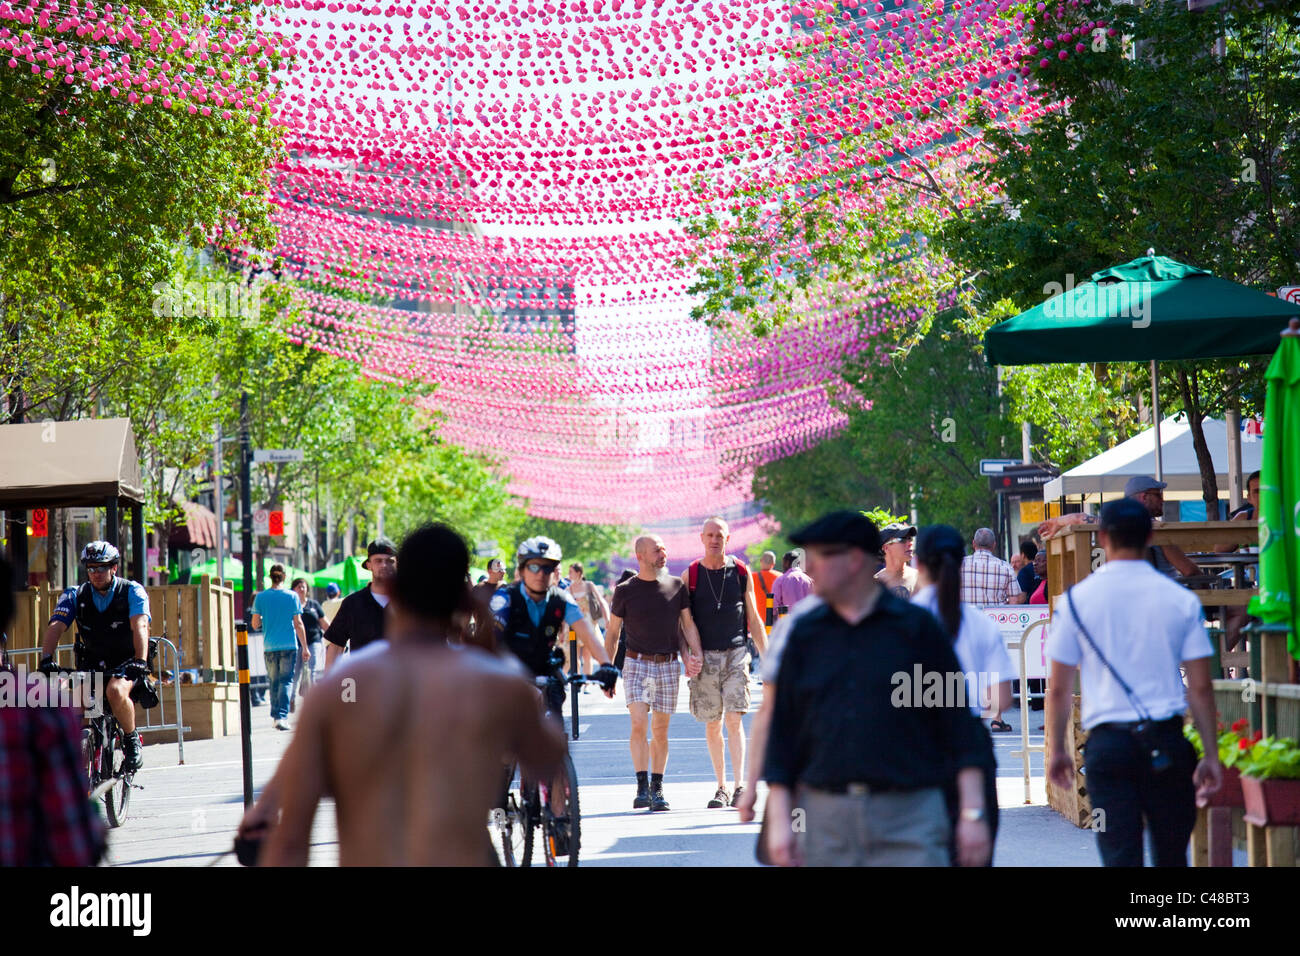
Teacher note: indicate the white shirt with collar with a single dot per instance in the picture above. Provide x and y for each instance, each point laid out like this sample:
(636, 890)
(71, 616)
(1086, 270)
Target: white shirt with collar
(980, 650)
(1145, 625)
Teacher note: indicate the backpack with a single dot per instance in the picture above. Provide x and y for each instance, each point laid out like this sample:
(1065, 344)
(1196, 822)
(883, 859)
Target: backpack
(693, 575)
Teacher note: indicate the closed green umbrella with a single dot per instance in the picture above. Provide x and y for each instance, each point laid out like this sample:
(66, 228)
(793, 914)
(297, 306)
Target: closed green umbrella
(1279, 493)
(337, 574)
(352, 575)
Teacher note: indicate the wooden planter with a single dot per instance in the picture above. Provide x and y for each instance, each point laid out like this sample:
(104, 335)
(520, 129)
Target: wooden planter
(1229, 795)
(1271, 803)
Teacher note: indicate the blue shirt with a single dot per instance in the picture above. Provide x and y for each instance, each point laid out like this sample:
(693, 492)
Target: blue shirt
(137, 600)
(500, 605)
(278, 607)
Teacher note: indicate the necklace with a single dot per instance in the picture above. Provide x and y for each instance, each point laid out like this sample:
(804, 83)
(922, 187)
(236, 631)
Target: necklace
(708, 576)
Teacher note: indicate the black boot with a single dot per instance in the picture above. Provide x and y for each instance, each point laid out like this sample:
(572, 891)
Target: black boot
(642, 795)
(131, 750)
(657, 801)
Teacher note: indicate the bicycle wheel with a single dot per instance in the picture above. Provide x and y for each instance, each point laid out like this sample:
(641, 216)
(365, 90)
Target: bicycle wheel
(88, 758)
(118, 799)
(562, 821)
(514, 822)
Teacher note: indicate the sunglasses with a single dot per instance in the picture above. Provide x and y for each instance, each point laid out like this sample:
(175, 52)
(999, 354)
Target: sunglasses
(92, 568)
(536, 568)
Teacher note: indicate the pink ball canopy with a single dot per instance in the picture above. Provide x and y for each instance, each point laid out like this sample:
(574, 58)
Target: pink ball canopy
(489, 198)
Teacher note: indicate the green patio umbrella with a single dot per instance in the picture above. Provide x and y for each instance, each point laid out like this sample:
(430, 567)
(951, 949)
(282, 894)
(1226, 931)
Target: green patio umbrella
(337, 574)
(1149, 310)
(232, 573)
(1279, 493)
(353, 575)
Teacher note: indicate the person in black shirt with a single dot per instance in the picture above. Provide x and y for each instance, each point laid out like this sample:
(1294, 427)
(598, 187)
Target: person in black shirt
(854, 743)
(315, 624)
(1026, 576)
(360, 620)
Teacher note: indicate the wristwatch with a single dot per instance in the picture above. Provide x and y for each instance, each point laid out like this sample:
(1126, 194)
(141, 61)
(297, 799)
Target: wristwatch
(971, 813)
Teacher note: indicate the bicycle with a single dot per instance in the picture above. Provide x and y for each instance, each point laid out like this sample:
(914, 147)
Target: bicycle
(527, 805)
(104, 757)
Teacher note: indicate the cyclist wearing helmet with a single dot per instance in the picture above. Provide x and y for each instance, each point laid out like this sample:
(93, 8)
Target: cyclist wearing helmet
(532, 616)
(112, 616)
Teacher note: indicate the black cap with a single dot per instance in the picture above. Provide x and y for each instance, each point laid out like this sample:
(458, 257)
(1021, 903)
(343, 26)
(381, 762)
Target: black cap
(895, 532)
(935, 539)
(378, 546)
(841, 527)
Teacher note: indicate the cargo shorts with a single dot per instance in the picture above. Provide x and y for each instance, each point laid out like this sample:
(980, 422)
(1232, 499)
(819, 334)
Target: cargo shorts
(721, 687)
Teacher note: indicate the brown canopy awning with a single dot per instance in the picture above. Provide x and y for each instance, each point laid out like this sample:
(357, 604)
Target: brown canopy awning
(74, 464)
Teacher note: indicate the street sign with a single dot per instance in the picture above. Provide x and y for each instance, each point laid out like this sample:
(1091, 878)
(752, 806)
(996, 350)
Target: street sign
(275, 523)
(487, 549)
(1022, 478)
(261, 521)
(40, 523)
(1289, 293)
(272, 455)
(81, 514)
(994, 466)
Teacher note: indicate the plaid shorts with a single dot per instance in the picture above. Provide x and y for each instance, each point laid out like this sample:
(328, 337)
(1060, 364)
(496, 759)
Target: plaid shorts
(645, 682)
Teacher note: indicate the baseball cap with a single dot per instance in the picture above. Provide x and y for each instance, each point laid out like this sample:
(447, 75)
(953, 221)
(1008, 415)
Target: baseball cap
(896, 532)
(841, 527)
(331, 590)
(1140, 483)
(378, 546)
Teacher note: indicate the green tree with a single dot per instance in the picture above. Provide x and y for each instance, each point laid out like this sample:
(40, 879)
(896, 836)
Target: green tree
(1161, 143)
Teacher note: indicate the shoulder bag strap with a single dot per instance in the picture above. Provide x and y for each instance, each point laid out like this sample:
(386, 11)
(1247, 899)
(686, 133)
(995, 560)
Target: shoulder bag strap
(1128, 691)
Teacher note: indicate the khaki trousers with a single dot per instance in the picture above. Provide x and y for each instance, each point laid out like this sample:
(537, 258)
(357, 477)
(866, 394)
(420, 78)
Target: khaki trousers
(892, 828)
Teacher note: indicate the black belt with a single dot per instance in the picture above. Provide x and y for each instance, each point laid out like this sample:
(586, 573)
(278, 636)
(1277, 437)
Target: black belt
(1128, 726)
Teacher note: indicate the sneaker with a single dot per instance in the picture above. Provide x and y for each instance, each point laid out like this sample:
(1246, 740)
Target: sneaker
(642, 797)
(131, 747)
(657, 801)
(735, 797)
(720, 799)
(282, 724)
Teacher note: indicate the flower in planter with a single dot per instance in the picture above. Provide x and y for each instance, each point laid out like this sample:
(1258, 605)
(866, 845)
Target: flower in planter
(1270, 758)
(1233, 743)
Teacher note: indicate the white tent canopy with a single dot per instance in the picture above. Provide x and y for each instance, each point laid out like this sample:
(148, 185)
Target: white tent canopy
(1110, 471)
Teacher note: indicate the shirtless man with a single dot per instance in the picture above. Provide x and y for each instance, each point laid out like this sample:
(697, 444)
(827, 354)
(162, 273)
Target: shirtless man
(444, 719)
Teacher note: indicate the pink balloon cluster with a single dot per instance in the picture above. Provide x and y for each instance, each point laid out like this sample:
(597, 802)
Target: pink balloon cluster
(489, 197)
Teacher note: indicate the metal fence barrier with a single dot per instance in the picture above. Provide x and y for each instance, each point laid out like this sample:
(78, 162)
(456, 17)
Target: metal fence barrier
(149, 724)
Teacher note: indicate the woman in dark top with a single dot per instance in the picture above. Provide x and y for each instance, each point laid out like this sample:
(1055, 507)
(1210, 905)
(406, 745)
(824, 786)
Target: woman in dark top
(315, 624)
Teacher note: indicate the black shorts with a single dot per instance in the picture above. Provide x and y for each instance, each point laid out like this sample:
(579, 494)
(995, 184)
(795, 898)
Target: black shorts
(95, 658)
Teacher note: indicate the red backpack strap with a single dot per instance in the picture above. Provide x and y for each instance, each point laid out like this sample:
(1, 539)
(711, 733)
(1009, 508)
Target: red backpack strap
(692, 577)
(744, 571)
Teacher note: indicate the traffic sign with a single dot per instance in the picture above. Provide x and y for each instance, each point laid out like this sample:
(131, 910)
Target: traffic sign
(261, 521)
(40, 523)
(272, 455)
(1022, 478)
(81, 514)
(275, 523)
(994, 466)
(487, 549)
(1289, 293)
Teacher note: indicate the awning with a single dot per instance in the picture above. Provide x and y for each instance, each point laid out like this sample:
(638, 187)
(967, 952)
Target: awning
(74, 464)
(1110, 471)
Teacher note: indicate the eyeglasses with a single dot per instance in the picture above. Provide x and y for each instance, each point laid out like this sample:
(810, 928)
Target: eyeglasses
(536, 568)
(92, 568)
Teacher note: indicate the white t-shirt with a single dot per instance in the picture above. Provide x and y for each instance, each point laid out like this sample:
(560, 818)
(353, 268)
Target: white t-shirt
(771, 660)
(979, 648)
(1145, 625)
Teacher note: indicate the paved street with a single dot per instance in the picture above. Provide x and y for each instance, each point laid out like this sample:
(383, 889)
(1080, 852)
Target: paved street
(186, 815)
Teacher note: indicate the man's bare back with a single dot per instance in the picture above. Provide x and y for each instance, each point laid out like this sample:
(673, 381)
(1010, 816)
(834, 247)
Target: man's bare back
(411, 742)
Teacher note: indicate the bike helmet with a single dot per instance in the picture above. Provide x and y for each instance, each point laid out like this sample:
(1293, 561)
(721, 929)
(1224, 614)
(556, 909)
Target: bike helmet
(100, 552)
(539, 548)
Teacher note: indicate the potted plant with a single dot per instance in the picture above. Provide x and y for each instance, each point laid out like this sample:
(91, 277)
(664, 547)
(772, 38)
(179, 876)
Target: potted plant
(1233, 746)
(1270, 782)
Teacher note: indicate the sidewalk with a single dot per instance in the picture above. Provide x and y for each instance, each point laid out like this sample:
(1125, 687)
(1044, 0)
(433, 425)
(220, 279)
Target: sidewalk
(186, 814)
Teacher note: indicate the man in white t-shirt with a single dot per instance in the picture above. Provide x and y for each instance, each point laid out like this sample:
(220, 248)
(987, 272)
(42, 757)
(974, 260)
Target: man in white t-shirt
(1126, 629)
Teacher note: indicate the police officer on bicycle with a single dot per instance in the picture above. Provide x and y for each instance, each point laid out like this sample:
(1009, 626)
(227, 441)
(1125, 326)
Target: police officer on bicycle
(112, 616)
(532, 616)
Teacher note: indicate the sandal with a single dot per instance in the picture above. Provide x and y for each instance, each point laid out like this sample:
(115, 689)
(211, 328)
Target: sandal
(999, 726)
